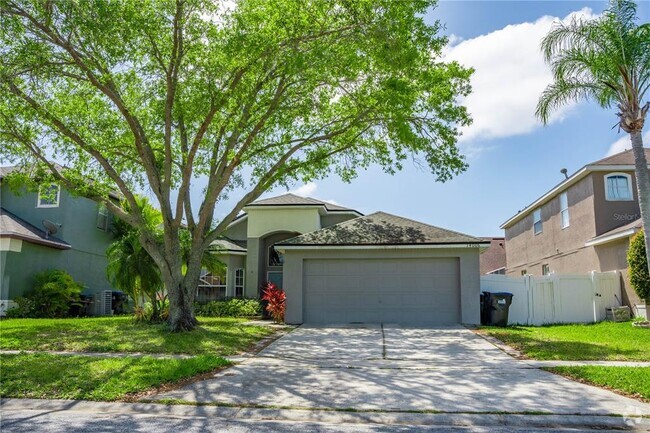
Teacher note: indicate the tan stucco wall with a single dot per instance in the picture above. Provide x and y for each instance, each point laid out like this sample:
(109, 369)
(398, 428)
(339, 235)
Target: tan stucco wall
(590, 215)
(264, 221)
(612, 214)
(469, 275)
(526, 249)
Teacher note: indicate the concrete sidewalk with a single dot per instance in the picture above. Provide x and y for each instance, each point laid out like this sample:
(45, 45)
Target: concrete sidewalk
(30, 409)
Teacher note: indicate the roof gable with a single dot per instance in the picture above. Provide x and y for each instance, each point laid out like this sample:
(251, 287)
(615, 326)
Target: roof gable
(381, 229)
(624, 158)
(296, 200)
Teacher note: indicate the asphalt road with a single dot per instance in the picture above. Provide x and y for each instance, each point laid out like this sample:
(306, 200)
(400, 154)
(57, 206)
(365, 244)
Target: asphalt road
(30, 421)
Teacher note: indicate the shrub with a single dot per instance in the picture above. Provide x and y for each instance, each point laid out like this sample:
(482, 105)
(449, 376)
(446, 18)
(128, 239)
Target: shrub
(24, 308)
(148, 313)
(638, 266)
(235, 307)
(54, 293)
(276, 301)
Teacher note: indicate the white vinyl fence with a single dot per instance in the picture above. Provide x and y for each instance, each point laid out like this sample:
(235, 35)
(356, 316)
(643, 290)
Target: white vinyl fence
(557, 298)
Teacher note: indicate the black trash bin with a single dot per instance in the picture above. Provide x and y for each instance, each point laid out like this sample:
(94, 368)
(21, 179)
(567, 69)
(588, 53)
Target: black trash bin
(495, 308)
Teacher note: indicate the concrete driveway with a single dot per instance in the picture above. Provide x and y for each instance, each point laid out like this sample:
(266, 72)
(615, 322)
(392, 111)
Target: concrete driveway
(390, 368)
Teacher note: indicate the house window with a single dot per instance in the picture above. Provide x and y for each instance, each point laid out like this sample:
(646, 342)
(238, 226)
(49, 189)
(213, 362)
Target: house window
(102, 217)
(48, 195)
(239, 283)
(276, 258)
(618, 187)
(546, 270)
(275, 277)
(537, 221)
(564, 210)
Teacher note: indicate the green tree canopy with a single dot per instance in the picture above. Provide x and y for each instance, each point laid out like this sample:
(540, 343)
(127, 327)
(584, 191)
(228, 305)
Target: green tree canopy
(153, 94)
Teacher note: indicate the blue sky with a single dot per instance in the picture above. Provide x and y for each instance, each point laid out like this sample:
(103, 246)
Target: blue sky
(513, 159)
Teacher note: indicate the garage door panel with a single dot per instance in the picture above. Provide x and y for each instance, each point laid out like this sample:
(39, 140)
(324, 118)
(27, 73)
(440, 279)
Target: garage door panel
(409, 291)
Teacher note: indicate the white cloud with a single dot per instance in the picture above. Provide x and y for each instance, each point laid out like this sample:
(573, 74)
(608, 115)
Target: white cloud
(305, 190)
(624, 143)
(510, 74)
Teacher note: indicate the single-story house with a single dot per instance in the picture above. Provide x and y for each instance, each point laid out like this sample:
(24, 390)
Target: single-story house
(338, 266)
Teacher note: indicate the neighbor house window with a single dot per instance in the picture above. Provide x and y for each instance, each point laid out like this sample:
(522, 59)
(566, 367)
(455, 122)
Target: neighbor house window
(48, 195)
(564, 210)
(537, 221)
(102, 217)
(239, 283)
(618, 187)
(546, 270)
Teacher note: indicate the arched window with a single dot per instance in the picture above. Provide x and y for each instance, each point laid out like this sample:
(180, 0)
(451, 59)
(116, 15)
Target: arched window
(618, 187)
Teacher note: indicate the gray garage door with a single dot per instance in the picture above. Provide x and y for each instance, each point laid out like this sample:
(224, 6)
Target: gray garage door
(407, 291)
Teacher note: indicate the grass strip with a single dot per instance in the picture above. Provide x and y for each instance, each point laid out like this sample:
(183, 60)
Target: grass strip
(97, 379)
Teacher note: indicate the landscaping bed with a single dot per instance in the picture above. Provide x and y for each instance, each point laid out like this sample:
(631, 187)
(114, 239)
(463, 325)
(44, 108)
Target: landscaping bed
(89, 378)
(606, 341)
(215, 336)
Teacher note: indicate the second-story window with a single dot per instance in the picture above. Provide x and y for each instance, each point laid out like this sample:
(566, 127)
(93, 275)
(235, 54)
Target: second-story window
(537, 221)
(618, 187)
(48, 195)
(564, 210)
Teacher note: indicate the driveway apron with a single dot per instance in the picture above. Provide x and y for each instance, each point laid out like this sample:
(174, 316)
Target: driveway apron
(387, 367)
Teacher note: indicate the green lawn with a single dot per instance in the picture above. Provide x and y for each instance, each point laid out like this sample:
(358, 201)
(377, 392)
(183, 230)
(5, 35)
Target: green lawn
(601, 341)
(215, 336)
(87, 378)
(633, 381)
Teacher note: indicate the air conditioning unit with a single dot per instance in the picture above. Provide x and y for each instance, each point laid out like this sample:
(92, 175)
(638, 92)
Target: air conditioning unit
(103, 303)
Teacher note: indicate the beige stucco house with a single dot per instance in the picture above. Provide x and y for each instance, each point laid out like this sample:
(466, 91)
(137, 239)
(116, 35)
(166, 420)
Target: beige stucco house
(338, 266)
(583, 224)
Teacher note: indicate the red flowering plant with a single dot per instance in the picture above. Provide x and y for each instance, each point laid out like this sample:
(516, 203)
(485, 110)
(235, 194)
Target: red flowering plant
(276, 299)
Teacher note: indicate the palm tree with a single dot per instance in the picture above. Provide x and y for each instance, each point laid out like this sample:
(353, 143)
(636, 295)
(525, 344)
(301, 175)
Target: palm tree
(607, 60)
(131, 268)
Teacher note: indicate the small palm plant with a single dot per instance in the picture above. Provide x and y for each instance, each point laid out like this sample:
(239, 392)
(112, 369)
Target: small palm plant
(607, 60)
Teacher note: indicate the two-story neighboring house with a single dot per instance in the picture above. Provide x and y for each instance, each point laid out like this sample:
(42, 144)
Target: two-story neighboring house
(27, 246)
(582, 224)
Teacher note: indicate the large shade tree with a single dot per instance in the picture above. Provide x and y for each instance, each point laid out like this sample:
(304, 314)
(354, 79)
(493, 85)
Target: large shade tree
(246, 94)
(606, 60)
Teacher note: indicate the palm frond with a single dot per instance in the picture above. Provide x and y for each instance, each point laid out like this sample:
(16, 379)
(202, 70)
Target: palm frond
(562, 92)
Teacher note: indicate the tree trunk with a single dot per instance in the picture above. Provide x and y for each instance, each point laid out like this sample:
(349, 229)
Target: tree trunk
(181, 308)
(642, 187)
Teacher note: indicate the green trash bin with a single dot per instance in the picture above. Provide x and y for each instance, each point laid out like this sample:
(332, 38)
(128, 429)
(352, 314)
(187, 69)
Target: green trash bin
(497, 306)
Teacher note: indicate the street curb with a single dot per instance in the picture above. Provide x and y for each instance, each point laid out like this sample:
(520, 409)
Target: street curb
(326, 416)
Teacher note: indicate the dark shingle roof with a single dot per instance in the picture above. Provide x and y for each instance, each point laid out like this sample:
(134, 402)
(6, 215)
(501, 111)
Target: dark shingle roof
(635, 226)
(381, 229)
(295, 200)
(13, 227)
(624, 158)
(230, 245)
